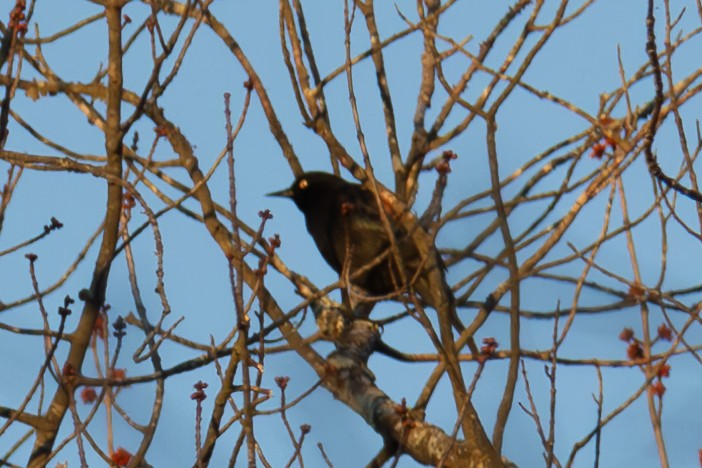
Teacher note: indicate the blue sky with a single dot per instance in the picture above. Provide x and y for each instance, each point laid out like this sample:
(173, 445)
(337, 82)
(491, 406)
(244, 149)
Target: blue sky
(579, 64)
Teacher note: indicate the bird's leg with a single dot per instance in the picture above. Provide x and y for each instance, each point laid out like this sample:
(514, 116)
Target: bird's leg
(362, 303)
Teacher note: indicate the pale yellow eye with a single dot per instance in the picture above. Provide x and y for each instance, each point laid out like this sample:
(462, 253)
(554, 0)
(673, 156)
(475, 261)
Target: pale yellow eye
(302, 185)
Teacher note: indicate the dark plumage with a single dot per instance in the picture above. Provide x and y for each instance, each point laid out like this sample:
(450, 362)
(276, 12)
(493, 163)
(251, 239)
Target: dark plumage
(343, 219)
(345, 223)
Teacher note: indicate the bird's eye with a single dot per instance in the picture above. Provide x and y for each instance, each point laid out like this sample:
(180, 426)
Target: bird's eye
(302, 185)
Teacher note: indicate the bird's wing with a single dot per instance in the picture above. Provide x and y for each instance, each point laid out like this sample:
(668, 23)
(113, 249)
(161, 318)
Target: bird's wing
(357, 228)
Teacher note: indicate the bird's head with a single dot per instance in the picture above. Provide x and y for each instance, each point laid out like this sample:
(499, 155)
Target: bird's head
(311, 189)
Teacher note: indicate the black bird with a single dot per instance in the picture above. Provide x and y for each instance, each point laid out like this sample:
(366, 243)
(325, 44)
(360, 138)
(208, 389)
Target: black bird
(345, 222)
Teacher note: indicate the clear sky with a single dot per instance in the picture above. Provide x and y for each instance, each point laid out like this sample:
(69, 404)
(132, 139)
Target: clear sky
(579, 64)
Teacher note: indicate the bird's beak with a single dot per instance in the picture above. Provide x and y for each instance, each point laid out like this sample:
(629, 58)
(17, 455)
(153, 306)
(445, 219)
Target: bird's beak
(287, 193)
